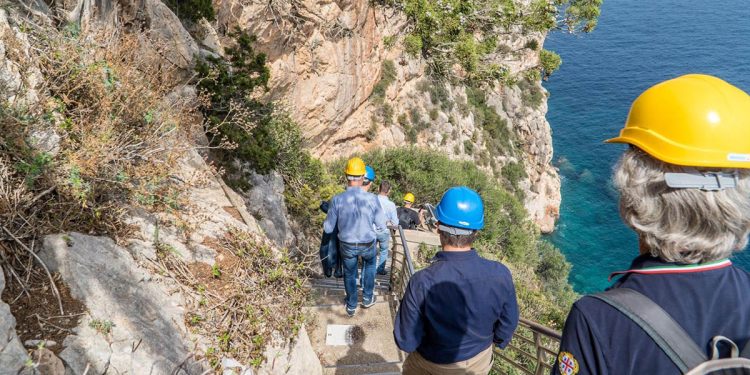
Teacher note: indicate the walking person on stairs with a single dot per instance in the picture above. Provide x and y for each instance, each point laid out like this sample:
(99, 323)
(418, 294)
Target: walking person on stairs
(408, 218)
(455, 311)
(684, 186)
(389, 209)
(356, 214)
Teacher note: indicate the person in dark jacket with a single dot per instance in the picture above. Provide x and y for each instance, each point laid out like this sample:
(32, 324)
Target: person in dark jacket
(455, 311)
(685, 190)
(408, 218)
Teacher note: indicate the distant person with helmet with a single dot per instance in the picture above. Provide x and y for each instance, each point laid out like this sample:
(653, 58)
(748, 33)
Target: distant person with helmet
(456, 310)
(369, 178)
(408, 218)
(356, 214)
(684, 188)
(391, 218)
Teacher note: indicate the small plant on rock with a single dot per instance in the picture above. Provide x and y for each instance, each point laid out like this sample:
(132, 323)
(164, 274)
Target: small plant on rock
(102, 326)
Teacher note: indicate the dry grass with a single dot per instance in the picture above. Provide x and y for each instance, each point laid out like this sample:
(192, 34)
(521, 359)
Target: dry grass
(250, 298)
(119, 132)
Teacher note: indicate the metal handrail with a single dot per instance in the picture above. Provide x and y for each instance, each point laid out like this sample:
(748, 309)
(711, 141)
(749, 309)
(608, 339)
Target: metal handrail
(400, 275)
(533, 348)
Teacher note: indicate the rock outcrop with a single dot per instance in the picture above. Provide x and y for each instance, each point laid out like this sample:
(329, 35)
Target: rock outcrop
(134, 325)
(12, 354)
(327, 57)
(265, 201)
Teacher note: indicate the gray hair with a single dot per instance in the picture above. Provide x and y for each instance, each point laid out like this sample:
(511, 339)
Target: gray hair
(681, 225)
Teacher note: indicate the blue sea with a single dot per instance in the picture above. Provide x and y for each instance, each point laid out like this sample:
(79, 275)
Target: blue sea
(637, 44)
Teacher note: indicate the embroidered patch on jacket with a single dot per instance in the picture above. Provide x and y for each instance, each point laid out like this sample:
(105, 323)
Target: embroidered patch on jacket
(568, 364)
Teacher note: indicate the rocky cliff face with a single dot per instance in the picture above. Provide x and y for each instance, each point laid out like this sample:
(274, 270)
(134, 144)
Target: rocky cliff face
(136, 315)
(341, 70)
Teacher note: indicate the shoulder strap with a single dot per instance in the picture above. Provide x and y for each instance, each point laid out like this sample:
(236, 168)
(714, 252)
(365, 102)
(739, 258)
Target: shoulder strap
(745, 353)
(657, 323)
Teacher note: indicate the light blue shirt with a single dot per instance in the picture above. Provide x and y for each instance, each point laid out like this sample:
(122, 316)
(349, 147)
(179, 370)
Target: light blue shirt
(357, 214)
(389, 210)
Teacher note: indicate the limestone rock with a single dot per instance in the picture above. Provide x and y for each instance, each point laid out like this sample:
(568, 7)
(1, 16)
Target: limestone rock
(12, 354)
(209, 38)
(20, 79)
(265, 200)
(47, 363)
(213, 209)
(35, 343)
(292, 358)
(166, 40)
(134, 326)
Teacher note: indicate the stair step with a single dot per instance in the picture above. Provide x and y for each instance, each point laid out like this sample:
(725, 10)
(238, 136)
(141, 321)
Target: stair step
(382, 368)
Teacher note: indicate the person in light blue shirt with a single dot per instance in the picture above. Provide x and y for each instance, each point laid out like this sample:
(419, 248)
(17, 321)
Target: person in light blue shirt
(357, 215)
(391, 218)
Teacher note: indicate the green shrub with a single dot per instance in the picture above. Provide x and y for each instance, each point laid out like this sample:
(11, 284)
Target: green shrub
(532, 44)
(389, 41)
(460, 32)
(549, 62)
(403, 120)
(498, 137)
(468, 147)
(531, 93)
(513, 173)
(434, 113)
(413, 45)
(372, 132)
(387, 77)
(386, 113)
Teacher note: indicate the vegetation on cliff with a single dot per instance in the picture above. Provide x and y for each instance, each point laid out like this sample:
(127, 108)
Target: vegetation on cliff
(105, 138)
(462, 32)
(249, 132)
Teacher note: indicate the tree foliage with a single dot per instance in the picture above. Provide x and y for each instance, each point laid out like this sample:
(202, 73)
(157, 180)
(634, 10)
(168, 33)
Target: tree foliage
(248, 131)
(464, 32)
(549, 61)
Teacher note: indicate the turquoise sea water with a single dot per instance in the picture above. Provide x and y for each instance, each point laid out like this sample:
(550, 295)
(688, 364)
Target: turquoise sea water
(637, 44)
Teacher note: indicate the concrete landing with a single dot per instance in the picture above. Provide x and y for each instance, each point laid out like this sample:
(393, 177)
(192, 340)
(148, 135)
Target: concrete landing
(370, 348)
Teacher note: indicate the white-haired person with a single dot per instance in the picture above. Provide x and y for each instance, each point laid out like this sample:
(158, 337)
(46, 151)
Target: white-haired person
(684, 188)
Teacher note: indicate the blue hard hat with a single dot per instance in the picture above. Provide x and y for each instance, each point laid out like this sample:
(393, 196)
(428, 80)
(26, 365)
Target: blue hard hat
(461, 207)
(369, 173)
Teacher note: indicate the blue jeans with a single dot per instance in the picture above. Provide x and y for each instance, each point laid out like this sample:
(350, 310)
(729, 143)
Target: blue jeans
(383, 241)
(350, 254)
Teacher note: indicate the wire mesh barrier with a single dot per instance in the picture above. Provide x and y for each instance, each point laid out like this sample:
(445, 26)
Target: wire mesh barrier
(532, 349)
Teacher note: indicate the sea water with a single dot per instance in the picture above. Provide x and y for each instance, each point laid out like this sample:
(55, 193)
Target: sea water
(637, 44)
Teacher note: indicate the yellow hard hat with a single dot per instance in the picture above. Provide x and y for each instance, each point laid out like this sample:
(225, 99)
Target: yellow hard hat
(355, 167)
(693, 120)
(409, 197)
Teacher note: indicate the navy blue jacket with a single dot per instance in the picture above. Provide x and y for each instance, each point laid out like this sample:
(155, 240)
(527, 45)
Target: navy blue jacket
(329, 250)
(715, 300)
(456, 308)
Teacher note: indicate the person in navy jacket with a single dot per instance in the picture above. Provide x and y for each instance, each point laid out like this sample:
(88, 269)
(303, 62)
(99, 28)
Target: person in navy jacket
(456, 310)
(685, 190)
